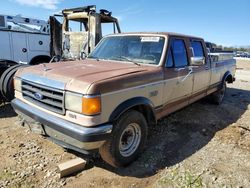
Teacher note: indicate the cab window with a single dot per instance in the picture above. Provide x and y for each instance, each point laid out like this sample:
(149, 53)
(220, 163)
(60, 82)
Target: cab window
(170, 61)
(197, 49)
(177, 54)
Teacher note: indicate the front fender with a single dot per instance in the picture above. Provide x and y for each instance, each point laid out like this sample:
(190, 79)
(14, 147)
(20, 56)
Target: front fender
(128, 104)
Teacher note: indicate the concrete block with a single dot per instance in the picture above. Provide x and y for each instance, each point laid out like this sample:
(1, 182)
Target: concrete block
(71, 167)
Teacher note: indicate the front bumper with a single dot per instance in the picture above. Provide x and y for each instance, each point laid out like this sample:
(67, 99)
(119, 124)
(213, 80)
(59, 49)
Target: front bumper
(64, 133)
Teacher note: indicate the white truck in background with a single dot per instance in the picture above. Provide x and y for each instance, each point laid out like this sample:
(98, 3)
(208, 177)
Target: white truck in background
(23, 40)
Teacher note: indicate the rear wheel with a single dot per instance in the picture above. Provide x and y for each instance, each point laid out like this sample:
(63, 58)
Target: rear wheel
(218, 96)
(127, 140)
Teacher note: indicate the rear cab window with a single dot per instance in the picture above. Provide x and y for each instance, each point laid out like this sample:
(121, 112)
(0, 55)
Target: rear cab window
(197, 49)
(177, 54)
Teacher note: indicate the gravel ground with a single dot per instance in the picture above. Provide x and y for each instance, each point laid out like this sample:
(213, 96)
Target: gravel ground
(203, 145)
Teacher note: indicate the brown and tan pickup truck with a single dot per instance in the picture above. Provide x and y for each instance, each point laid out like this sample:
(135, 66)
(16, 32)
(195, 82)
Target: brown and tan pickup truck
(128, 82)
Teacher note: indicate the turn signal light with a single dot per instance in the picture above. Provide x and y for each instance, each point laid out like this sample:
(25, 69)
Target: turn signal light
(91, 105)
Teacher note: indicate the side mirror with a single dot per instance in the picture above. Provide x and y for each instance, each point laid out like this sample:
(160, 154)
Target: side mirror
(197, 61)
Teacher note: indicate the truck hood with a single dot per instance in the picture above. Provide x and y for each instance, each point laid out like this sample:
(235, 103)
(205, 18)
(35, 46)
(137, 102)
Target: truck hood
(77, 76)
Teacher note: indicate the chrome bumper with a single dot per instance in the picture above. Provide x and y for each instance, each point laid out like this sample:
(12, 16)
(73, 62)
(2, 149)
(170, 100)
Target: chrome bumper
(64, 133)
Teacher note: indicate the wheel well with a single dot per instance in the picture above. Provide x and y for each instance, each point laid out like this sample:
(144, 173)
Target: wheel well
(229, 78)
(40, 59)
(140, 104)
(147, 112)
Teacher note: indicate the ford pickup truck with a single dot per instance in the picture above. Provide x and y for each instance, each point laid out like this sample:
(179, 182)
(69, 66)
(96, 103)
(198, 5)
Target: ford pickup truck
(107, 102)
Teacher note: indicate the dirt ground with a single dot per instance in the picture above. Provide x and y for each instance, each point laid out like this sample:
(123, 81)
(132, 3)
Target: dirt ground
(203, 145)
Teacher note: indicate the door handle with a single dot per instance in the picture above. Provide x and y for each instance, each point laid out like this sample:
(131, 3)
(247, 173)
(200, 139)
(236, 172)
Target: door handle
(189, 73)
(180, 69)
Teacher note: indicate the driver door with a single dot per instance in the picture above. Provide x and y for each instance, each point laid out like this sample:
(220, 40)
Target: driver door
(178, 76)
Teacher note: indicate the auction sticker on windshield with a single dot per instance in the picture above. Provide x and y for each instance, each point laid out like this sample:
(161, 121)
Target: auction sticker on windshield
(150, 39)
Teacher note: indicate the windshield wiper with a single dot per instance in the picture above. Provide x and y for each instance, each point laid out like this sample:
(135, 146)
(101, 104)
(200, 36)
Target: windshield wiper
(92, 57)
(96, 58)
(125, 58)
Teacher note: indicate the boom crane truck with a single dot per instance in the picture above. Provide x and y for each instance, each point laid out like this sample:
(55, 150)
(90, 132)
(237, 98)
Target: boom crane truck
(24, 41)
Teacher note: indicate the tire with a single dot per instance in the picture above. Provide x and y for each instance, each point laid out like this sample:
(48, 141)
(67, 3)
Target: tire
(6, 83)
(3, 68)
(218, 96)
(127, 140)
(3, 76)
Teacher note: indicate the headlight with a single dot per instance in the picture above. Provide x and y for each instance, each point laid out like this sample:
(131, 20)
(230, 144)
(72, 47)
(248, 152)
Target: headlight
(17, 84)
(73, 102)
(87, 104)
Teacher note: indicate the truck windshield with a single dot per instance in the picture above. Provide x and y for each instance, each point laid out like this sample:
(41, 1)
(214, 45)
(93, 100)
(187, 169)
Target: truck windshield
(136, 49)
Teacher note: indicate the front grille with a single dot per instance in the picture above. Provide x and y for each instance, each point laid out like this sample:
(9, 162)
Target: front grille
(45, 97)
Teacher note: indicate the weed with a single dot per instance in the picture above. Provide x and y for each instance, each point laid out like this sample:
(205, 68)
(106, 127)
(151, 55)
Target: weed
(181, 179)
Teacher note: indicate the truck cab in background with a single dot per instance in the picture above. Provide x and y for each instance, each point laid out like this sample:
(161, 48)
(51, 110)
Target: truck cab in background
(81, 29)
(218, 54)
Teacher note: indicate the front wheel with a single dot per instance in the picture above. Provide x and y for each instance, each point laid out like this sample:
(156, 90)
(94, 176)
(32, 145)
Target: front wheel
(218, 96)
(127, 140)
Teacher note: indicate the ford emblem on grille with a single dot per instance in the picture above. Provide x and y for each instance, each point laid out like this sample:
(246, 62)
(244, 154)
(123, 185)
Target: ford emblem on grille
(38, 96)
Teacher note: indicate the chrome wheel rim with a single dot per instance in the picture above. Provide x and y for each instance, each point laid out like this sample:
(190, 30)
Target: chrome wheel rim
(130, 140)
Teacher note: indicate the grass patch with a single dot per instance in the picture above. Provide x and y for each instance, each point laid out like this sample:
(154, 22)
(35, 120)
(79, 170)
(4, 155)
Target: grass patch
(6, 175)
(181, 179)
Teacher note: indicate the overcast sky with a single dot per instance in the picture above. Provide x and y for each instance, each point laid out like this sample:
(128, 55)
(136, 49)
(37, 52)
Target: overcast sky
(225, 22)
